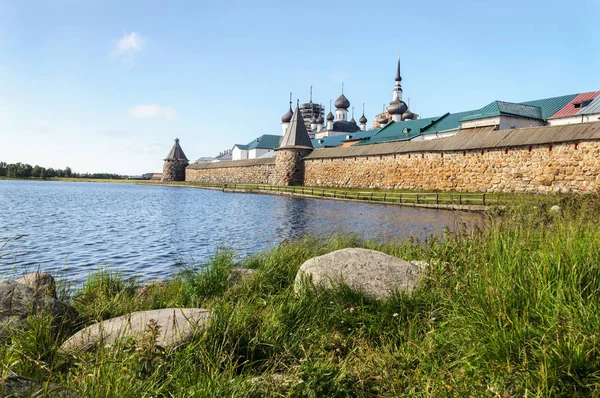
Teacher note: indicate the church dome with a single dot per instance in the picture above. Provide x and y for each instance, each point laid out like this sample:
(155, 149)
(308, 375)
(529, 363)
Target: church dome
(363, 119)
(345, 127)
(330, 116)
(397, 107)
(288, 116)
(408, 115)
(320, 119)
(342, 102)
(352, 121)
(382, 119)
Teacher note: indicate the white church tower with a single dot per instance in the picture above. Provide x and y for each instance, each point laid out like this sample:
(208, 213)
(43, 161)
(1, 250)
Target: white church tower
(341, 107)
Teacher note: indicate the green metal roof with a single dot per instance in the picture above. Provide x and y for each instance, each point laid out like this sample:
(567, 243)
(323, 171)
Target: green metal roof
(395, 131)
(498, 108)
(450, 121)
(541, 109)
(241, 146)
(552, 105)
(265, 141)
(337, 140)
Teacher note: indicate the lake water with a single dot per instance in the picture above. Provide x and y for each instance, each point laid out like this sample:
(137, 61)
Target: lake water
(146, 231)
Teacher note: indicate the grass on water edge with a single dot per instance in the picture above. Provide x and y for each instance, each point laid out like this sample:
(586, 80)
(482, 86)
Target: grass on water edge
(510, 310)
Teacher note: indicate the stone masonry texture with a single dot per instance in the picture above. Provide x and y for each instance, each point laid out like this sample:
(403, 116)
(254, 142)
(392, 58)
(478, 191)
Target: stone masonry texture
(174, 170)
(545, 168)
(566, 167)
(289, 167)
(256, 174)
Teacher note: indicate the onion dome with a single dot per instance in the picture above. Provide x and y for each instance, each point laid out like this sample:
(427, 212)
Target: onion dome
(288, 116)
(342, 102)
(330, 116)
(320, 119)
(397, 107)
(363, 120)
(382, 119)
(352, 121)
(408, 115)
(345, 127)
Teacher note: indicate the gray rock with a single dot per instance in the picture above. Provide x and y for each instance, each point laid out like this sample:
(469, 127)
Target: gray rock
(239, 275)
(375, 274)
(40, 282)
(18, 301)
(14, 385)
(176, 326)
(555, 209)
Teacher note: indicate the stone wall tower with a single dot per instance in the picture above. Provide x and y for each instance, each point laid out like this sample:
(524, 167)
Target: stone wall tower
(175, 164)
(295, 145)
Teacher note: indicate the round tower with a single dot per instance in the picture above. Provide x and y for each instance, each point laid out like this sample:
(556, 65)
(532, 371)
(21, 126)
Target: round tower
(289, 161)
(175, 164)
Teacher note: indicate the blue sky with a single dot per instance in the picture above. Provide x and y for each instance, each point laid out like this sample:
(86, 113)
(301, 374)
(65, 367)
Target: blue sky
(107, 85)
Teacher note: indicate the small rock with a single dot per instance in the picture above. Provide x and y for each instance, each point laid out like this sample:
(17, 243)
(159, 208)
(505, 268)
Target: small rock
(40, 282)
(18, 301)
(14, 385)
(555, 209)
(176, 326)
(375, 274)
(239, 275)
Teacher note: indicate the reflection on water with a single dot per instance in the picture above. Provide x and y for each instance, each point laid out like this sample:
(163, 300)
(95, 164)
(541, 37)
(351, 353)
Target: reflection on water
(145, 231)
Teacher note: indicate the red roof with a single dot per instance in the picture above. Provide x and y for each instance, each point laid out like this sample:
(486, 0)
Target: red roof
(569, 109)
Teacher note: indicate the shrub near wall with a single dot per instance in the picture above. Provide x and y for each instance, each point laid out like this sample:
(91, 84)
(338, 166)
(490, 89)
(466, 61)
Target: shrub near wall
(254, 171)
(567, 167)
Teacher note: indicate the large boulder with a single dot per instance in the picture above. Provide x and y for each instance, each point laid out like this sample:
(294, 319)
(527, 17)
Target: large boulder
(18, 301)
(175, 327)
(41, 282)
(373, 273)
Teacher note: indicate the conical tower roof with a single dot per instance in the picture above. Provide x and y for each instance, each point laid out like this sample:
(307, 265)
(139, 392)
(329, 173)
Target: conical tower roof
(176, 152)
(296, 135)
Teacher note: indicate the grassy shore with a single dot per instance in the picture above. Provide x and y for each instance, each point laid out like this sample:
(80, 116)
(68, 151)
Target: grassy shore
(511, 310)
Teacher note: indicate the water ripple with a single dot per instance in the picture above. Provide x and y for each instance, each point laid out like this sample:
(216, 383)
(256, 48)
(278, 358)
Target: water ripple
(145, 231)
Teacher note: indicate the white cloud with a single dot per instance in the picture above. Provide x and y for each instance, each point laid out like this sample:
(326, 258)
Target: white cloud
(152, 111)
(127, 47)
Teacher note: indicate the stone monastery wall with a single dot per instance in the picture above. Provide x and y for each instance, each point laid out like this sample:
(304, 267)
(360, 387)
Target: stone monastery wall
(543, 169)
(257, 171)
(536, 160)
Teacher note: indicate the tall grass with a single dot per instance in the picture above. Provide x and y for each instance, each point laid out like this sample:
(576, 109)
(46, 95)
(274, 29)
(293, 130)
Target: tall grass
(510, 310)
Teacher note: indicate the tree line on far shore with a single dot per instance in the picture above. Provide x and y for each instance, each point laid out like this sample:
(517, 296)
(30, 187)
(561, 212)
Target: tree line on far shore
(24, 170)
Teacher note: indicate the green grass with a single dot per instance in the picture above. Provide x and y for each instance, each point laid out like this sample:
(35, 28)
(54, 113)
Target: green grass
(511, 310)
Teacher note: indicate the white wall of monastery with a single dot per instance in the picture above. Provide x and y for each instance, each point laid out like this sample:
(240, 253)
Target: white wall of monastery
(574, 119)
(239, 154)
